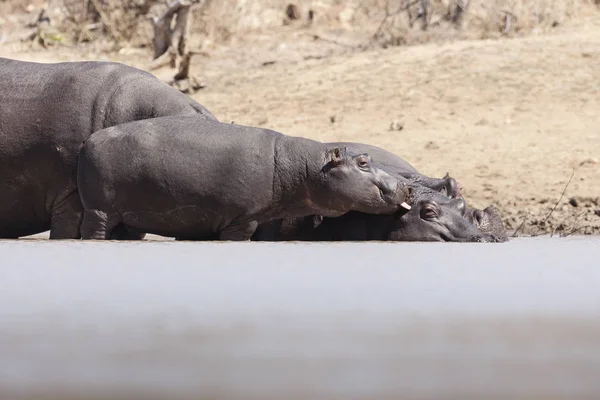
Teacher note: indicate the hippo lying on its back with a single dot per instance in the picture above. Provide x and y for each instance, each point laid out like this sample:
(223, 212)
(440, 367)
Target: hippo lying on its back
(46, 112)
(396, 165)
(219, 181)
(433, 217)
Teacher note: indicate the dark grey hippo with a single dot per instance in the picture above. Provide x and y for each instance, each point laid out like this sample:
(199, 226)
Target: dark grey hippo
(219, 181)
(46, 112)
(396, 165)
(433, 217)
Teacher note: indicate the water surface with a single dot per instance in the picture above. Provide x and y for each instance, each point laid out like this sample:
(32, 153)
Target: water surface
(163, 319)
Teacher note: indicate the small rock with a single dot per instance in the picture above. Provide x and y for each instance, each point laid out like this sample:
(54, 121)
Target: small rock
(332, 119)
(292, 12)
(431, 145)
(396, 125)
(597, 212)
(573, 201)
(262, 121)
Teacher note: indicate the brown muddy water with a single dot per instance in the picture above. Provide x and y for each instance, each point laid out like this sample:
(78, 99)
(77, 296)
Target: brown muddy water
(181, 320)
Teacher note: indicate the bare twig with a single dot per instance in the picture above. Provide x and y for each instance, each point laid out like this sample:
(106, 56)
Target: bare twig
(459, 10)
(424, 14)
(519, 227)
(575, 227)
(555, 205)
(389, 14)
(113, 31)
(324, 39)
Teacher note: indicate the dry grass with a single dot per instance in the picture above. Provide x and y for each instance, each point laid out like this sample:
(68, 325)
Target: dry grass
(220, 21)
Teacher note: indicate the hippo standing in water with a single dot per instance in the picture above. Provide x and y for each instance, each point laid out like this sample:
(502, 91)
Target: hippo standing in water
(46, 112)
(219, 181)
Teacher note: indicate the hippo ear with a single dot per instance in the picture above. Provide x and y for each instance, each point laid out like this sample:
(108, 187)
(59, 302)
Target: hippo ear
(334, 156)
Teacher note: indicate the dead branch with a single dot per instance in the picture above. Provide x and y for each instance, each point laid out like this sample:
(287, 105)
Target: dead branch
(389, 14)
(509, 21)
(167, 37)
(424, 14)
(106, 21)
(519, 227)
(459, 10)
(170, 44)
(333, 41)
(555, 205)
(41, 17)
(575, 227)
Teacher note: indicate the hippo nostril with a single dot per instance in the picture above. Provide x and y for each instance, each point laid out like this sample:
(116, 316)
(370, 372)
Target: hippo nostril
(409, 194)
(478, 217)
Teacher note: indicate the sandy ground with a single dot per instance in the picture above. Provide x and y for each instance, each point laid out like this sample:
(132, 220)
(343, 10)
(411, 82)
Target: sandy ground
(511, 119)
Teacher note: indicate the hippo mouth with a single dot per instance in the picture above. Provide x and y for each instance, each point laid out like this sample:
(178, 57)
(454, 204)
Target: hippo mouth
(404, 205)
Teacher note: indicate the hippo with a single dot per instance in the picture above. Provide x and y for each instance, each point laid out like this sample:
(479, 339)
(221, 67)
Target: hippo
(488, 220)
(433, 217)
(213, 180)
(47, 111)
(396, 165)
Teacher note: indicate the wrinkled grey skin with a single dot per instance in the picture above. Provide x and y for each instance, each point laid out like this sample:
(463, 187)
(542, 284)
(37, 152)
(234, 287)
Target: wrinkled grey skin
(396, 165)
(219, 181)
(488, 220)
(46, 112)
(433, 217)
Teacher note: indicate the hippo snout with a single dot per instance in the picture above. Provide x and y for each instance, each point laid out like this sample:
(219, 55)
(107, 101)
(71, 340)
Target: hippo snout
(397, 193)
(486, 238)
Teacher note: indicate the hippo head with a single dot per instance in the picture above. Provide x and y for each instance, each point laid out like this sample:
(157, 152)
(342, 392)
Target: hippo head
(352, 182)
(450, 187)
(488, 221)
(430, 220)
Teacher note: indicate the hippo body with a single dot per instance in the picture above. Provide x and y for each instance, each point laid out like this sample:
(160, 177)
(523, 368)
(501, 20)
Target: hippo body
(218, 181)
(433, 217)
(46, 112)
(439, 213)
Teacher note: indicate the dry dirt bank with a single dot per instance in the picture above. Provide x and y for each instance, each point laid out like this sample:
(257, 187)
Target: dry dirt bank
(511, 119)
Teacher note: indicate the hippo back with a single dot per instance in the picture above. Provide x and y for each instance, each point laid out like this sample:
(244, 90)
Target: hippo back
(46, 112)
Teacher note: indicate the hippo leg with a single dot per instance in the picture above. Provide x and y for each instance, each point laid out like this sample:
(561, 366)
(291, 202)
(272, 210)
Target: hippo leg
(267, 231)
(99, 224)
(66, 218)
(121, 232)
(239, 231)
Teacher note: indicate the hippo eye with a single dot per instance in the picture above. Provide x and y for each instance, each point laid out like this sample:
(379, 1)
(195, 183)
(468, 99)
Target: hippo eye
(363, 163)
(428, 212)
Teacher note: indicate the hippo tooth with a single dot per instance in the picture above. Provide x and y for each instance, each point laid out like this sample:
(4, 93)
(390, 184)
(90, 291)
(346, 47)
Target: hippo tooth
(405, 205)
